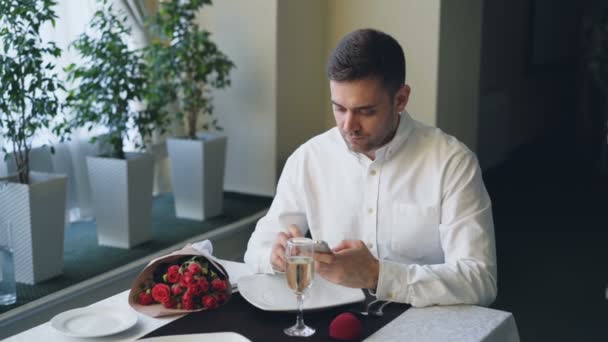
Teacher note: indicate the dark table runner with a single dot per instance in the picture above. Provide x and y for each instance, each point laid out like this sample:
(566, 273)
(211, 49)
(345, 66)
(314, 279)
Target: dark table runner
(257, 325)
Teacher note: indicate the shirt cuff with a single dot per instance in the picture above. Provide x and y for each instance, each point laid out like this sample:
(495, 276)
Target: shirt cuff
(393, 282)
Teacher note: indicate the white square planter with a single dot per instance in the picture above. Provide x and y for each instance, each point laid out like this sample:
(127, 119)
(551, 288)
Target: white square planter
(197, 175)
(37, 214)
(121, 192)
(42, 160)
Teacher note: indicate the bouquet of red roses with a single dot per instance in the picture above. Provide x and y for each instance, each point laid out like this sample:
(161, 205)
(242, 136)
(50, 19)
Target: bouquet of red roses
(183, 281)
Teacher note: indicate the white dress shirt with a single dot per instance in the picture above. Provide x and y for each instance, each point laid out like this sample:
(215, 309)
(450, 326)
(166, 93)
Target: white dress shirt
(421, 207)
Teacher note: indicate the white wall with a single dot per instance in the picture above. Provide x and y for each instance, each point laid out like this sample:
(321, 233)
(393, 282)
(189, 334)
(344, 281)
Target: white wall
(415, 25)
(247, 32)
(302, 100)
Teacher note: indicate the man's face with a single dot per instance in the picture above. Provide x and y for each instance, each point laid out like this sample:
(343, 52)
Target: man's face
(366, 113)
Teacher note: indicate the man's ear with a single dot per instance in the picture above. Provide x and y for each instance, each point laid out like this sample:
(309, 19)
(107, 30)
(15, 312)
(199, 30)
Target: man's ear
(402, 97)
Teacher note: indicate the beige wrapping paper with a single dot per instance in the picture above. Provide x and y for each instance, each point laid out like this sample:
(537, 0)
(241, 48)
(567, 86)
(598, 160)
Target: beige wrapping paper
(158, 310)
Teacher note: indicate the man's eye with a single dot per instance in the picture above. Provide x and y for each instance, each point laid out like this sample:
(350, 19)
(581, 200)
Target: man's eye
(339, 109)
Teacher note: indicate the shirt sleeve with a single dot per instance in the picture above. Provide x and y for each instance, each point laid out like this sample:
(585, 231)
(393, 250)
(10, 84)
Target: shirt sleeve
(286, 208)
(466, 230)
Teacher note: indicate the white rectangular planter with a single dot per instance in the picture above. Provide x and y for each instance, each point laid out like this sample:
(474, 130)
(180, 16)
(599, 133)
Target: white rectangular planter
(37, 214)
(121, 192)
(197, 175)
(42, 160)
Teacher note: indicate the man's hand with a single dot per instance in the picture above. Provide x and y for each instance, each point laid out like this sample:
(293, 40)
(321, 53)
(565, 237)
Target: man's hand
(351, 265)
(277, 256)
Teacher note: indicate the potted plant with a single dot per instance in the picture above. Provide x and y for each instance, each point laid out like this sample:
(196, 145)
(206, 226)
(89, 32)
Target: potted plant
(185, 58)
(34, 202)
(106, 87)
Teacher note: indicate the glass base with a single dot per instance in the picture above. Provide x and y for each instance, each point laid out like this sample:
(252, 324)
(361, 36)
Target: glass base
(8, 299)
(300, 331)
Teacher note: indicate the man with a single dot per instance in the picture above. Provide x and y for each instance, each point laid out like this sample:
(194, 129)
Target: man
(403, 204)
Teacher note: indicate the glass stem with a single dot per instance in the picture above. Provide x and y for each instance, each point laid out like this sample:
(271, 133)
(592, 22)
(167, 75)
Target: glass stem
(300, 319)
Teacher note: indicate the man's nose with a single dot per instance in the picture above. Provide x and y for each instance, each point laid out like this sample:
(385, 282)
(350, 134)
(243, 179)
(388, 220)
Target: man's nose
(351, 123)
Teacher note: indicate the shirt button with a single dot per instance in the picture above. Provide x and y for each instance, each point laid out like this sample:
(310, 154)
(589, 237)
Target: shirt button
(370, 245)
(370, 210)
(373, 172)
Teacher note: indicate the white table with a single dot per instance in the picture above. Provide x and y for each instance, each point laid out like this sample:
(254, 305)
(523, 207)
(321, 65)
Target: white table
(438, 323)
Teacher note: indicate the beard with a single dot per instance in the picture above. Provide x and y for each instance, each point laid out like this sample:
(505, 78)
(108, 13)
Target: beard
(357, 142)
(365, 143)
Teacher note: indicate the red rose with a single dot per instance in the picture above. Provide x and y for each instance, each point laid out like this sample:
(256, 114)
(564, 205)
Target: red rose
(161, 293)
(145, 298)
(173, 275)
(203, 284)
(209, 302)
(188, 296)
(170, 304)
(195, 289)
(188, 302)
(176, 289)
(218, 284)
(221, 298)
(187, 279)
(194, 268)
(182, 281)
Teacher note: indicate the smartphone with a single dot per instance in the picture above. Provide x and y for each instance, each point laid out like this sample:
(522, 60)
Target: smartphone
(322, 247)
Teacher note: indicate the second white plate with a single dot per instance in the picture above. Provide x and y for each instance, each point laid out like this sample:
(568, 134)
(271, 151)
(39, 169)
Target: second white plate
(93, 321)
(215, 337)
(270, 293)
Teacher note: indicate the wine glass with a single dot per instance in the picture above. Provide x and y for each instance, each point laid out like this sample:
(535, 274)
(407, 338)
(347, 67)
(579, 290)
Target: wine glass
(299, 275)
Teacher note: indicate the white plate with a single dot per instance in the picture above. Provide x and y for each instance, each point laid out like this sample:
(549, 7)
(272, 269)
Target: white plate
(215, 337)
(94, 321)
(270, 293)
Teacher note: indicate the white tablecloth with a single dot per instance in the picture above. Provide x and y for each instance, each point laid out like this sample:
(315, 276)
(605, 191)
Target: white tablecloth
(440, 323)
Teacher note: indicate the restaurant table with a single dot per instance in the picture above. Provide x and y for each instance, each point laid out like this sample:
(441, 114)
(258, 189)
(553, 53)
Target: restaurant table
(436, 323)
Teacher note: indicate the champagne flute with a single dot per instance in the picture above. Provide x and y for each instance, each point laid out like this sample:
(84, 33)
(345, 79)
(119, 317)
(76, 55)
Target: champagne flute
(299, 275)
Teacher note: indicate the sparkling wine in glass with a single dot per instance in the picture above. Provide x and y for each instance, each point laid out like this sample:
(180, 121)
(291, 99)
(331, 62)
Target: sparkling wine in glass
(299, 274)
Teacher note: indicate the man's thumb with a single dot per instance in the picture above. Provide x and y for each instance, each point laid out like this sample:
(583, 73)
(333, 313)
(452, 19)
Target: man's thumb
(294, 230)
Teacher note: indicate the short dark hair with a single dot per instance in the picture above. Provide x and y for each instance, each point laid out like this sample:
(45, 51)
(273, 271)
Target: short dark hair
(368, 53)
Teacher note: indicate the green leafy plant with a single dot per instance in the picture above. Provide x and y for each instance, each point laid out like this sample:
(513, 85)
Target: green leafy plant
(185, 64)
(108, 81)
(28, 84)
